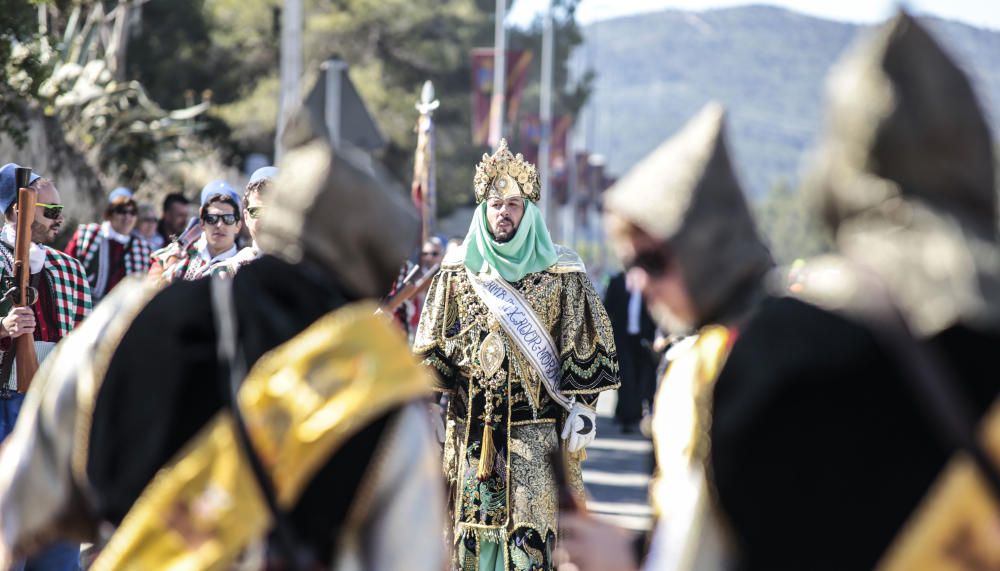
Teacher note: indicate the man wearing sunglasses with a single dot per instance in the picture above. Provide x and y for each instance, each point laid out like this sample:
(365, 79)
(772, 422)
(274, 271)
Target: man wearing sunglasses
(681, 226)
(220, 222)
(63, 301)
(109, 251)
(253, 211)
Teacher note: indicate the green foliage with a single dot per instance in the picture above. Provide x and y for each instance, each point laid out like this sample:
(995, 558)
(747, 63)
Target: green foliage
(66, 66)
(392, 46)
(24, 64)
(790, 226)
(186, 48)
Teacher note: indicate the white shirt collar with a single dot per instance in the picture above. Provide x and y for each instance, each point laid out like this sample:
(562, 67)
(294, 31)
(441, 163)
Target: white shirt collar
(36, 254)
(207, 257)
(108, 232)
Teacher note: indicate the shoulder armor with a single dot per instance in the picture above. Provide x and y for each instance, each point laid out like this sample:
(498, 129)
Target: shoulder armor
(568, 262)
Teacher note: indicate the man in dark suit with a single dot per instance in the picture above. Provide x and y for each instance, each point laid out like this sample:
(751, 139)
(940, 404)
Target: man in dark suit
(634, 332)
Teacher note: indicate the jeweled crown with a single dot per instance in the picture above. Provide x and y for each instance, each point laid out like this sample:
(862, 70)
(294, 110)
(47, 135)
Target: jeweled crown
(504, 174)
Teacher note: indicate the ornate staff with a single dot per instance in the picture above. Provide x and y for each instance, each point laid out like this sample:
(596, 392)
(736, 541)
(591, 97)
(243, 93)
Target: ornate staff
(424, 185)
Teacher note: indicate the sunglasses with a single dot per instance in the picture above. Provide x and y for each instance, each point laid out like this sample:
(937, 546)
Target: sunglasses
(431, 254)
(50, 211)
(213, 219)
(655, 262)
(148, 219)
(125, 210)
(255, 212)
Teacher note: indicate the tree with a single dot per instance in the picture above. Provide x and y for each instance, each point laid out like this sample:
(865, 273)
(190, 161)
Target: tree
(392, 47)
(24, 66)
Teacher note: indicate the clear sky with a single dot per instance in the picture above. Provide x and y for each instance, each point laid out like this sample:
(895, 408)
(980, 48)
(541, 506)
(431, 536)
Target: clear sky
(980, 13)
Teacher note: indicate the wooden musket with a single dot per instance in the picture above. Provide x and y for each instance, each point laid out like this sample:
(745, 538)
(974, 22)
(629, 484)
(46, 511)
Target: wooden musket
(410, 288)
(25, 358)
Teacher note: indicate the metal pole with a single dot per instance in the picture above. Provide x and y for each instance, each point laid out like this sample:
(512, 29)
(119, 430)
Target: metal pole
(544, 150)
(499, 74)
(569, 221)
(333, 71)
(291, 67)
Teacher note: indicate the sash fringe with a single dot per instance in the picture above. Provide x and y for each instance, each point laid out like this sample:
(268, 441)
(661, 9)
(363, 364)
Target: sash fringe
(494, 534)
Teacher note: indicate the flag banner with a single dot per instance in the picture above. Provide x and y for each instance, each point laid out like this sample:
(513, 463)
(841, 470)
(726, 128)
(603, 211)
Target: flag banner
(518, 62)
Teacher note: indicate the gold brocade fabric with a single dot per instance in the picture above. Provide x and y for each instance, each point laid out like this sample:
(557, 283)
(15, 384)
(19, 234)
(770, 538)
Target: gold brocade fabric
(681, 491)
(491, 382)
(682, 408)
(955, 527)
(301, 402)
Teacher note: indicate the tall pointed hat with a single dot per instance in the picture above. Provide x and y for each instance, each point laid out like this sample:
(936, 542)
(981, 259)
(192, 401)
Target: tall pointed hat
(905, 178)
(686, 195)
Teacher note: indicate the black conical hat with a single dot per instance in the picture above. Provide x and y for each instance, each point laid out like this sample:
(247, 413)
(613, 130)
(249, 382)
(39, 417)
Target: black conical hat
(685, 193)
(905, 177)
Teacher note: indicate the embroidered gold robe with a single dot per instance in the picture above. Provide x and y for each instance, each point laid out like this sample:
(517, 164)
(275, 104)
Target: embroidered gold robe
(515, 507)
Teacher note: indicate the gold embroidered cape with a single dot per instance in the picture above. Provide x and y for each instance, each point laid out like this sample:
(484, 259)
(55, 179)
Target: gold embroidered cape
(301, 402)
(513, 503)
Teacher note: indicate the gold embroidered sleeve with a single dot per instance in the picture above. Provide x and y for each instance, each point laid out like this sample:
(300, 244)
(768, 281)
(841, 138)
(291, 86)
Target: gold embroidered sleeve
(439, 316)
(587, 345)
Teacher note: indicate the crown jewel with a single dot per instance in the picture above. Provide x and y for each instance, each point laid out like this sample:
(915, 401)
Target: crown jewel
(505, 174)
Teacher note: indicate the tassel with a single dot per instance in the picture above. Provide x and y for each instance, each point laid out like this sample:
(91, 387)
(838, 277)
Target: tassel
(486, 455)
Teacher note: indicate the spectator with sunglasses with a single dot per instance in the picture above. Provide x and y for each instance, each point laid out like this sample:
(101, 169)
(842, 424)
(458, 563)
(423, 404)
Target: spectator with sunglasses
(145, 228)
(62, 302)
(220, 222)
(109, 251)
(253, 210)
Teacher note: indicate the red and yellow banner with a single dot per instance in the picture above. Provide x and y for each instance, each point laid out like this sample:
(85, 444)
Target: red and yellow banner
(517, 64)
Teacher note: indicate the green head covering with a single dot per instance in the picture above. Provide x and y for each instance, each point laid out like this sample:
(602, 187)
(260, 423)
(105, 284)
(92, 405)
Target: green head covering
(530, 250)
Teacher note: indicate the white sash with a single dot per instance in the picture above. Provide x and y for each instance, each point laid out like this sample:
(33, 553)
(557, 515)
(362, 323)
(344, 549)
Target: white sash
(524, 327)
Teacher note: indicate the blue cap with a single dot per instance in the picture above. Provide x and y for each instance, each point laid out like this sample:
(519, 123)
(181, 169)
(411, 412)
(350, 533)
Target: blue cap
(216, 188)
(120, 192)
(8, 186)
(263, 173)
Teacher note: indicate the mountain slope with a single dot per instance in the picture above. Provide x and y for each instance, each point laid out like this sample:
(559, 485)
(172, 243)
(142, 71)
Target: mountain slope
(766, 64)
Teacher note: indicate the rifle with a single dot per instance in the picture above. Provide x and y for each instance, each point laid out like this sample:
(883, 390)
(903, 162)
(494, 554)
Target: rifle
(175, 251)
(25, 358)
(410, 288)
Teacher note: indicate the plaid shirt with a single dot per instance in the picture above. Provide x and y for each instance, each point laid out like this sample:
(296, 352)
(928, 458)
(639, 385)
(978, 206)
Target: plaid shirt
(88, 243)
(70, 288)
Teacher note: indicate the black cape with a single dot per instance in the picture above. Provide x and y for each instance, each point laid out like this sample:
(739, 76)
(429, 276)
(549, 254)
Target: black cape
(164, 383)
(819, 450)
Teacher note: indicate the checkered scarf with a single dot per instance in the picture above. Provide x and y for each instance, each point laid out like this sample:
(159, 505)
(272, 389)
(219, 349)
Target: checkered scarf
(70, 288)
(89, 241)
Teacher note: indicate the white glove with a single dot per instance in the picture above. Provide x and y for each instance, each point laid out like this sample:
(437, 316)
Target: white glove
(580, 428)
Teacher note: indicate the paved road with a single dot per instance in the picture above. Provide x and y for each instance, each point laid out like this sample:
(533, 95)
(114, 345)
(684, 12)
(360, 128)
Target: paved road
(616, 472)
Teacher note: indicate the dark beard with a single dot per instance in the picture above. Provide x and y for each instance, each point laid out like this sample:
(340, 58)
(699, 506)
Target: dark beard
(503, 239)
(39, 233)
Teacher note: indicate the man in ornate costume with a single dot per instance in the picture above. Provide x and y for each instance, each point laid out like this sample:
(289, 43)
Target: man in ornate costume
(840, 400)
(110, 251)
(523, 347)
(328, 445)
(63, 301)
